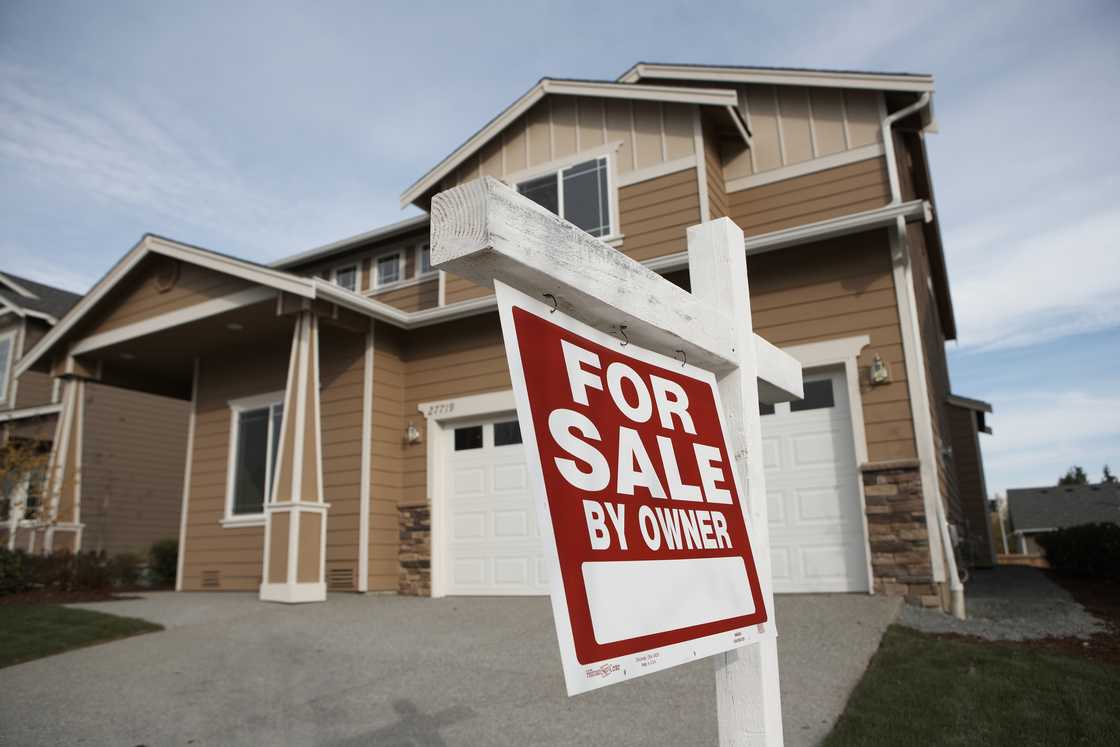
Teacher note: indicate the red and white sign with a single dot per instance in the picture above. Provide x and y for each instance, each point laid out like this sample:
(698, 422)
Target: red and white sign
(638, 499)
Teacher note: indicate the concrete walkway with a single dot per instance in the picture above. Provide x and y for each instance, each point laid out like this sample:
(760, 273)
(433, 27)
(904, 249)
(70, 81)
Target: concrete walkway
(389, 670)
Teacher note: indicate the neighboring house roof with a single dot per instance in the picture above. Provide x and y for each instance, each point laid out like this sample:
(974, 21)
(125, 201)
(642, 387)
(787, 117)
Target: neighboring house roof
(1040, 509)
(570, 87)
(790, 76)
(23, 295)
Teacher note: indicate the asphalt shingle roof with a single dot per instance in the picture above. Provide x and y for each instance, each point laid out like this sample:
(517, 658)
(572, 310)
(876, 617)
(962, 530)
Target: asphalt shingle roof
(48, 300)
(1063, 506)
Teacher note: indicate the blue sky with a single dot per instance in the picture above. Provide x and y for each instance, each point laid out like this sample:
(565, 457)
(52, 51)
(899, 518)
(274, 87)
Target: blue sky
(262, 129)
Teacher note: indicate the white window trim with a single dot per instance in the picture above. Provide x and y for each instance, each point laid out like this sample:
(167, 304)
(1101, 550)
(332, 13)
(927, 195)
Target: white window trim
(420, 274)
(607, 152)
(356, 267)
(236, 407)
(10, 336)
(375, 263)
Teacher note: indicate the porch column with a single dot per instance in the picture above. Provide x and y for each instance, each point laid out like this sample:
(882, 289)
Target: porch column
(60, 528)
(296, 514)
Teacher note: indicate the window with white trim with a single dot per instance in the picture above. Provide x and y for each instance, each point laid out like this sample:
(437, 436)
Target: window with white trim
(579, 194)
(347, 277)
(423, 259)
(387, 270)
(254, 441)
(7, 353)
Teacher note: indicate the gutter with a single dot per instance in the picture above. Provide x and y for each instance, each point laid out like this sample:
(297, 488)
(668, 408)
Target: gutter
(956, 588)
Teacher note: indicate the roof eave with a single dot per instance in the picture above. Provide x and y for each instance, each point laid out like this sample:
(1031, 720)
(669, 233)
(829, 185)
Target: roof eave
(789, 77)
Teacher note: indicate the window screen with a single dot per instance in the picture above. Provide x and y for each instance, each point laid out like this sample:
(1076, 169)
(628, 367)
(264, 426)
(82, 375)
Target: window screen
(818, 395)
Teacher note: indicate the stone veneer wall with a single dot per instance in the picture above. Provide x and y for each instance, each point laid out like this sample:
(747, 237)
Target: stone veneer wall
(896, 526)
(415, 524)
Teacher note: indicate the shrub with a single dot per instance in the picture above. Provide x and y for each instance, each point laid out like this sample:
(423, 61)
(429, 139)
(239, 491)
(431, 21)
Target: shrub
(90, 572)
(125, 569)
(15, 571)
(1091, 550)
(163, 562)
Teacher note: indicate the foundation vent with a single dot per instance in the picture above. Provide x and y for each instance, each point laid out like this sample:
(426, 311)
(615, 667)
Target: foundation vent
(340, 579)
(211, 580)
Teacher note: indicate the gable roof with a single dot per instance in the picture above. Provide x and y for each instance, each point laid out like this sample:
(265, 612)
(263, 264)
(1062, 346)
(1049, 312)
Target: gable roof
(569, 87)
(28, 296)
(788, 76)
(1063, 506)
(352, 242)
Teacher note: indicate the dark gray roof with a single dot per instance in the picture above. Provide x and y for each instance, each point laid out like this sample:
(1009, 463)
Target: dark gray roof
(48, 299)
(840, 71)
(1063, 506)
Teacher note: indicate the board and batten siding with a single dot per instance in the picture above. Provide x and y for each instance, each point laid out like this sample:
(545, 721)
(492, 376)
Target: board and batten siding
(839, 288)
(843, 190)
(34, 387)
(133, 451)
(387, 457)
(792, 125)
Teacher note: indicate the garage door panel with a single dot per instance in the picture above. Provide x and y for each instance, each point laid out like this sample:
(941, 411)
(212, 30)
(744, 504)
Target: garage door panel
(817, 505)
(511, 524)
(467, 481)
(468, 525)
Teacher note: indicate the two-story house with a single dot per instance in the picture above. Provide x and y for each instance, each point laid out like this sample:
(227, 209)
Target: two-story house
(352, 425)
(128, 448)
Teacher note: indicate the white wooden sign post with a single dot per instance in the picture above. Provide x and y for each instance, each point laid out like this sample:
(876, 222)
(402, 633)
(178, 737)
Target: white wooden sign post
(486, 232)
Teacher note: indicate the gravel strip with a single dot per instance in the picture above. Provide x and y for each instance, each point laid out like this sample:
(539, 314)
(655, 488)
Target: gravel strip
(1010, 604)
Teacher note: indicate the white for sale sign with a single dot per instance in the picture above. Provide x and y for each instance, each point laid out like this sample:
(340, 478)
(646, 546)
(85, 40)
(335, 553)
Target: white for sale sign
(638, 499)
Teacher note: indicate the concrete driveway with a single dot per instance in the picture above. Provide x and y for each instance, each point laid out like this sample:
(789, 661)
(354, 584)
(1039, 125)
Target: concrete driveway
(387, 670)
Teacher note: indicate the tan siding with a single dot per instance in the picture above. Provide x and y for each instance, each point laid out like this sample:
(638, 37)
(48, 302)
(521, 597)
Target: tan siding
(563, 126)
(655, 214)
(459, 289)
(980, 549)
(841, 288)
(139, 296)
(133, 451)
(237, 553)
(34, 388)
(828, 120)
(793, 106)
(592, 123)
(423, 295)
(863, 117)
(814, 197)
(387, 457)
(454, 360)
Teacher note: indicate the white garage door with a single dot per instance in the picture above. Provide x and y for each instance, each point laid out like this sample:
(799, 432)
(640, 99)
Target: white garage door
(816, 528)
(493, 544)
(816, 524)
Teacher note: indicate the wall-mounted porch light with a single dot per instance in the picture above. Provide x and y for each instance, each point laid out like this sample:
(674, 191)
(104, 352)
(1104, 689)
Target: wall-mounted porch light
(412, 434)
(880, 374)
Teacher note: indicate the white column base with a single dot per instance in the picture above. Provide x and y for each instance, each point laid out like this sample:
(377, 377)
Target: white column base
(294, 593)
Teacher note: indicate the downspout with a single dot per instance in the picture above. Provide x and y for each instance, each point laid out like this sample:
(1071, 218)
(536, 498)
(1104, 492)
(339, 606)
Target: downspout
(956, 588)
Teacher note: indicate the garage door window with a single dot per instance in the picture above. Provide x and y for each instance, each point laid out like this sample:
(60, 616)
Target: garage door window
(818, 396)
(469, 437)
(507, 433)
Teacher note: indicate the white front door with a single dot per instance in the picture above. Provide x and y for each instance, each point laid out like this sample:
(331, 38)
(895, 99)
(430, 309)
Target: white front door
(812, 483)
(493, 543)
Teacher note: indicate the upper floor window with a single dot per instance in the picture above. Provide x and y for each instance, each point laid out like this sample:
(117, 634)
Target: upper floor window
(424, 259)
(347, 277)
(388, 269)
(7, 351)
(578, 194)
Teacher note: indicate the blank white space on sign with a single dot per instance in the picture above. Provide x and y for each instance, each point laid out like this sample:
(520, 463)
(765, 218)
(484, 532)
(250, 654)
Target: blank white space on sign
(631, 598)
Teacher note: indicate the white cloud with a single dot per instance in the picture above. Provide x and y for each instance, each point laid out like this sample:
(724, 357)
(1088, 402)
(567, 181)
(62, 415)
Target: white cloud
(1014, 290)
(1037, 435)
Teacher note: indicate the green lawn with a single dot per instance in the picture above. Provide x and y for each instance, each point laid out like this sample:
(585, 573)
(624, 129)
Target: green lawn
(923, 690)
(33, 631)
